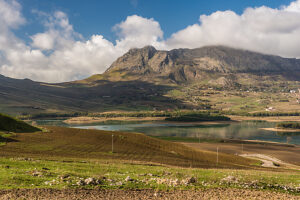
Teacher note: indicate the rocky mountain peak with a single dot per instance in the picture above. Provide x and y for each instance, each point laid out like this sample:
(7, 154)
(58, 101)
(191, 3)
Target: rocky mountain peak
(190, 64)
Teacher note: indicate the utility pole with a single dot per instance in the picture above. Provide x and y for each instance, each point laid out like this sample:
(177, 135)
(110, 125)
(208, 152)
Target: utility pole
(112, 143)
(217, 155)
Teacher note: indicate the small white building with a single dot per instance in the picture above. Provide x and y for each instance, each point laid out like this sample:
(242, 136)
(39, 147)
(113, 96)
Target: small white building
(270, 109)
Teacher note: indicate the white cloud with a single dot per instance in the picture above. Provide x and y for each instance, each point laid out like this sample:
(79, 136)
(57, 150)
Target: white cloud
(59, 33)
(137, 31)
(294, 7)
(61, 54)
(263, 29)
(71, 57)
(43, 41)
(10, 14)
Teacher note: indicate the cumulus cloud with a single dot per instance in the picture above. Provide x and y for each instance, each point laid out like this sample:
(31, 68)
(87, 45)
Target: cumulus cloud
(71, 57)
(59, 53)
(262, 29)
(137, 31)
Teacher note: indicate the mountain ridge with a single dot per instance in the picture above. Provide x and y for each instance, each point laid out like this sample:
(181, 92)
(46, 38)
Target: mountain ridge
(147, 78)
(181, 65)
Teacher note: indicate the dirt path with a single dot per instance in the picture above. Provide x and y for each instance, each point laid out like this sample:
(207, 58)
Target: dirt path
(141, 194)
(287, 154)
(269, 161)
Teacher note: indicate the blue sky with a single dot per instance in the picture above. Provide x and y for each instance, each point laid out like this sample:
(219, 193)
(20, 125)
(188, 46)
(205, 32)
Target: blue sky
(64, 40)
(99, 16)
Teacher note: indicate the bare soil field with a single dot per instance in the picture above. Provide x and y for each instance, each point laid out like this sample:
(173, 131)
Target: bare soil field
(73, 194)
(282, 152)
(96, 144)
(269, 119)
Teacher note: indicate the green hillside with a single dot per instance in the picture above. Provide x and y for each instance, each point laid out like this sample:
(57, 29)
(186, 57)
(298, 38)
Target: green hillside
(10, 124)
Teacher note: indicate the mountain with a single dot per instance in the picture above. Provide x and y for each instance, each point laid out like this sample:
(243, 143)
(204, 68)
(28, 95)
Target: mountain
(188, 65)
(212, 77)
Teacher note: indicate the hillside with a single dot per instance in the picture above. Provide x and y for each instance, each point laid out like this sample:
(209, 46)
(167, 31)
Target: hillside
(10, 124)
(186, 65)
(96, 144)
(71, 163)
(213, 77)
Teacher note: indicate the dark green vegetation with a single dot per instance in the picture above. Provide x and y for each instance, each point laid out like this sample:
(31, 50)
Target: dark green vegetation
(9, 124)
(197, 117)
(269, 114)
(211, 78)
(118, 114)
(289, 125)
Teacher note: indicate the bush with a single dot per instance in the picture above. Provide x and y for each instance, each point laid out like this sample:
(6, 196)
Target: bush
(196, 117)
(292, 125)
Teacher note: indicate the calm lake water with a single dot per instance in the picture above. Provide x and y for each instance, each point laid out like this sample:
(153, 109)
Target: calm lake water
(247, 130)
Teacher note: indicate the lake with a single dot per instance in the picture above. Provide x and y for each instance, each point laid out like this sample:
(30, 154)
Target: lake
(246, 130)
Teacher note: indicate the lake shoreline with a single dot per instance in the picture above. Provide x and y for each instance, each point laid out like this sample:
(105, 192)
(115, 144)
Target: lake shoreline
(234, 118)
(282, 130)
(268, 119)
(281, 151)
(92, 120)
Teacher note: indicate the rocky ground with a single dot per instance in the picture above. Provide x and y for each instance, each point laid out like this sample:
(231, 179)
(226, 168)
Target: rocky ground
(141, 194)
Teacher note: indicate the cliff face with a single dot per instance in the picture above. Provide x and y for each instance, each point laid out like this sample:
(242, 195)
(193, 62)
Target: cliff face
(191, 64)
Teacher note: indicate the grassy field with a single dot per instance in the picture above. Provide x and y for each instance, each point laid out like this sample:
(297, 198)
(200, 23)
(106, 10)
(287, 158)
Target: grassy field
(38, 173)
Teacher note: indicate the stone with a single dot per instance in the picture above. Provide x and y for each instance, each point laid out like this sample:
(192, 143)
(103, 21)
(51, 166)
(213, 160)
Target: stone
(128, 179)
(230, 179)
(191, 180)
(80, 183)
(92, 181)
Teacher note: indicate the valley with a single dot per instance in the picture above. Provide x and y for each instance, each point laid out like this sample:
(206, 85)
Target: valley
(184, 120)
(215, 78)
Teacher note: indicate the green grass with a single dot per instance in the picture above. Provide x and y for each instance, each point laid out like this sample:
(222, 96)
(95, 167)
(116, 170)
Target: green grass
(18, 173)
(10, 124)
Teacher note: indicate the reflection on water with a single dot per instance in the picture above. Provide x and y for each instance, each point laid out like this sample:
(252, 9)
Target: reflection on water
(249, 130)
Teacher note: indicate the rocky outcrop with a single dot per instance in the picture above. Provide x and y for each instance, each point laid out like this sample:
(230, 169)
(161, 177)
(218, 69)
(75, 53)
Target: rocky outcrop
(186, 65)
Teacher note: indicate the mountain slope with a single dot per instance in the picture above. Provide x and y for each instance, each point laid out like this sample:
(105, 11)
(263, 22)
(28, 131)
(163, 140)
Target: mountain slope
(182, 65)
(147, 78)
(13, 125)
